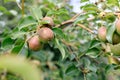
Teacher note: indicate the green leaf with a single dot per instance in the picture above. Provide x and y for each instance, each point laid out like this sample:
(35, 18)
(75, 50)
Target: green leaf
(94, 43)
(27, 22)
(24, 50)
(94, 52)
(113, 2)
(20, 48)
(90, 7)
(80, 18)
(71, 69)
(59, 33)
(84, 0)
(92, 67)
(4, 10)
(110, 32)
(40, 55)
(9, 0)
(60, 47)
(92, 76)
(37, 13)
(18, 34)
(7, 42)
(85, 61)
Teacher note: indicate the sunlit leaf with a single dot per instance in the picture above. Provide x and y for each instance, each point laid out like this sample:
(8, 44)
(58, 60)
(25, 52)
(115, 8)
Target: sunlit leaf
(60, 47)
(110, 32)
(7, 42)
(59, 33)
(113, 2)
(27, 22)
(94, 52)
(90, 7)
(36, 12)
(94, 43)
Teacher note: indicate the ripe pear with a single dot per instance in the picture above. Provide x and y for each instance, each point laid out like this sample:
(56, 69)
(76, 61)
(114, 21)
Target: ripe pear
(116, 38)
(102, 33)
(115, 49)
(117, 24)
(49, 20)
(45, 34)
(34, 43)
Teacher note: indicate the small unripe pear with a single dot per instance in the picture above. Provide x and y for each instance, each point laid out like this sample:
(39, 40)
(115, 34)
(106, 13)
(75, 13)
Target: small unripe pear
(116, 38)
(34, 43)
(113, 60)
(117, 24)
(102, 33)
(115, 49)
(49, 20)
(45, 34)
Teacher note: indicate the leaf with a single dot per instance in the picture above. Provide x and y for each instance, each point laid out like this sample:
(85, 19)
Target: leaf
(92, 67)
(21, 66)
(94, 52)
(59, 33)
(90, 7)
(60, 47)
(24, 50)
(17, 34)
(37, 13)
(20, 48)
(113, 2)
(9, 0)
(80, 18)
(17, 48)
(94, 43)
(3, 9)
(92, 76)
(40, 55)
(84, 0)
(85, 61)
(7, 42)
(110, 32)
(71, 69)
(26, 22)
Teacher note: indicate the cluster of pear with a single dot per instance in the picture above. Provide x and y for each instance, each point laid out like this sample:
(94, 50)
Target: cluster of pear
(115, 46)
(43, 34)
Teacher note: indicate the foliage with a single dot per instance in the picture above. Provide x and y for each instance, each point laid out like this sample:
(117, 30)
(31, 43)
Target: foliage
(75, 53)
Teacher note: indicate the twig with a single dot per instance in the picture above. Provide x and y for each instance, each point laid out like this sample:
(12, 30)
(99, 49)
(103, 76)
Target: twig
(72, 20)
(84, 76)
(22, 7)
(84, 27)
(74, 17)
(69, 21)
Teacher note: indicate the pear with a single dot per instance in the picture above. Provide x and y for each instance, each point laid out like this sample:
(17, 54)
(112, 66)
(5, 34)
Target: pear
(45, 34)
(117, 24)
(102, 33)
(34, 43)
(115, 49)
(116, 38)
(113, 60)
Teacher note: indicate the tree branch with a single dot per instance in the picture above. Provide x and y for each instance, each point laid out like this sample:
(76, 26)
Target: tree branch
(84, 27)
